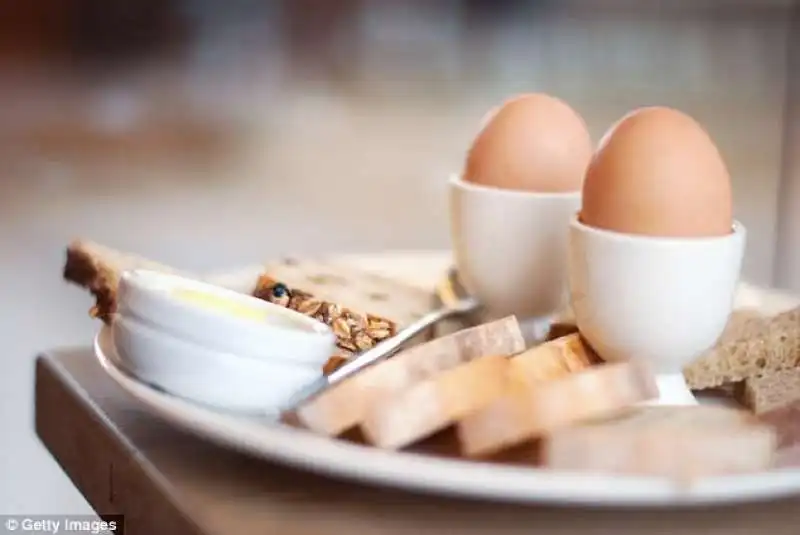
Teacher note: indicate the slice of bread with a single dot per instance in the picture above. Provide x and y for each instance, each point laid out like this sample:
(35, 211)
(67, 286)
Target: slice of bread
(405, 417)
(530, 410)
(344, 405)
(739, 352)
(362, 307)
(338, 282)
(768, 392)
(683, 443)
(427, 407)
(554, 359)
(751, 346)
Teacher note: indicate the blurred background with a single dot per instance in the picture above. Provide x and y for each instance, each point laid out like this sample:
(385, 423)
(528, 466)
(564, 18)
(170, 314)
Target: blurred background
(211, 134)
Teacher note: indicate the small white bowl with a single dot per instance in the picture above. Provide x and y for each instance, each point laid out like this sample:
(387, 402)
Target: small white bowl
(215, 378)
(223, 320)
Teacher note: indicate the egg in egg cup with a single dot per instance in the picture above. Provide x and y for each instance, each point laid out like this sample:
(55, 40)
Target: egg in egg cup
(510, 208)
(655, 254)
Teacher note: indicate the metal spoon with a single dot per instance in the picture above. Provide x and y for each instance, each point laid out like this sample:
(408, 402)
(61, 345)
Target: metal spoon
(455, 301)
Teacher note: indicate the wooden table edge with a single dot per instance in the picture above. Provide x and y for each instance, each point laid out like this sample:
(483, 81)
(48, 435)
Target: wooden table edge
(84, 441)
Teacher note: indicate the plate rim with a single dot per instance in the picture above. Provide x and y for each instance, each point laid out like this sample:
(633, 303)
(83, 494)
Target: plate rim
(409, 471)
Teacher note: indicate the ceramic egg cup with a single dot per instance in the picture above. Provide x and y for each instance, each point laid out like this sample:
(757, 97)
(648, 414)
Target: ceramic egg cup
(511, 250)
(254, 363)
(658, 301)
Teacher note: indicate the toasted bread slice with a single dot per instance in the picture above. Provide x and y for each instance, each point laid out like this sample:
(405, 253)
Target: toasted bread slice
(418, 412)
(677, 442)
(751, 346)
(358, 296)
(429, 406)
(344, 405)
(530, 410)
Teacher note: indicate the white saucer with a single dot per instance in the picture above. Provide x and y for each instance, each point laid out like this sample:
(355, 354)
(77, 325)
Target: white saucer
(303, 450)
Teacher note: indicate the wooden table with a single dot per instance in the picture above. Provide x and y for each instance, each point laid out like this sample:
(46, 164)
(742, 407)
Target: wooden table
(125, 461)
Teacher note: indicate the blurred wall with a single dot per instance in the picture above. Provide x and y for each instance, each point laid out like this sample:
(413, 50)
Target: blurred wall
(376, 101)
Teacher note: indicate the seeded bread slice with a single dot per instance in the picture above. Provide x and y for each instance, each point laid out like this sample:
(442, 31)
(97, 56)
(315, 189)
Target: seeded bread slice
(363, 308)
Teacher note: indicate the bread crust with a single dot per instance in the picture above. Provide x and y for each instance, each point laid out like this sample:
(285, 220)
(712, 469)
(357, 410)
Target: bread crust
(83, 269)
(97, 269)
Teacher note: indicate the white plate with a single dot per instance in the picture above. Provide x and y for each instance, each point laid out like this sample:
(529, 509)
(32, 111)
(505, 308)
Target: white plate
(421, 473)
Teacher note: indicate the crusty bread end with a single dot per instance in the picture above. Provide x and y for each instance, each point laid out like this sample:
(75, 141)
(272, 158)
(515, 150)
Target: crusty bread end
(97, 269)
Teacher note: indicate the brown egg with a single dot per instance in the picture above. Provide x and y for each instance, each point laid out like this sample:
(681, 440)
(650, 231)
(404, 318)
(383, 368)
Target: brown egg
(533, 142)
(658, 173)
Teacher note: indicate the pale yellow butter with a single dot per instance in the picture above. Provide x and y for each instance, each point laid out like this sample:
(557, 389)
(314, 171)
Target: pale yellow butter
(221, 304)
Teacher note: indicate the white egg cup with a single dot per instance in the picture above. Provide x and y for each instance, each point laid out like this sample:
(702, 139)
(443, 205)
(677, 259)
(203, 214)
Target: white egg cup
(511, 250)
(658, 301)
